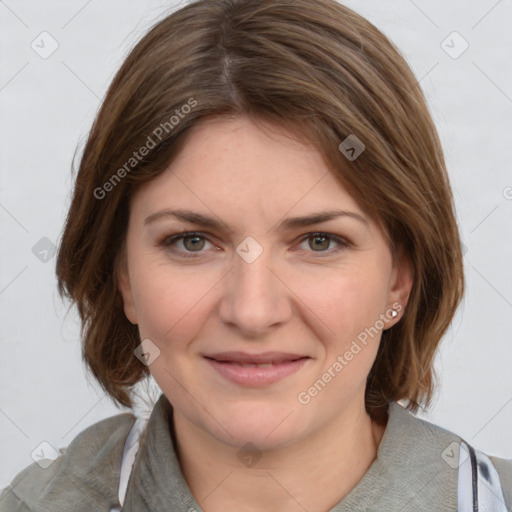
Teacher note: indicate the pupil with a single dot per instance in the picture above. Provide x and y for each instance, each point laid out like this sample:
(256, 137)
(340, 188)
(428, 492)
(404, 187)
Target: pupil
(319, 245)
(195, 242)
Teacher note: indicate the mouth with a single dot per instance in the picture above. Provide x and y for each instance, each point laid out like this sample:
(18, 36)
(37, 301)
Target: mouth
(256, 370)
(244, 358)
(250, 365)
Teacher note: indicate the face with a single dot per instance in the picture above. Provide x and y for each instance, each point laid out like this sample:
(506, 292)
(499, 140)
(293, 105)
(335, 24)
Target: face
(226, 266)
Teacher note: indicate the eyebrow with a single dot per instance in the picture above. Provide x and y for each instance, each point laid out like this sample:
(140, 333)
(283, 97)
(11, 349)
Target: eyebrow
(287, 223)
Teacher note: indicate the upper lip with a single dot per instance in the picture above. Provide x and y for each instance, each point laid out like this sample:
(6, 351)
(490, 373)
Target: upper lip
(264, 357)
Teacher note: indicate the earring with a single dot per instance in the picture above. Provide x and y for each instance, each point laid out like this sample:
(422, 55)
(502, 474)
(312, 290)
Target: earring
(394, 313)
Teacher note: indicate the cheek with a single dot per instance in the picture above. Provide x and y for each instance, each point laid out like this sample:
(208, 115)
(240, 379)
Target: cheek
(348, 301)
(169, 303)
(351, 306)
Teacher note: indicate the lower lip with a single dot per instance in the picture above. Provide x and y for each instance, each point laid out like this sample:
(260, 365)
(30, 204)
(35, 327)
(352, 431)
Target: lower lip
(256, 376)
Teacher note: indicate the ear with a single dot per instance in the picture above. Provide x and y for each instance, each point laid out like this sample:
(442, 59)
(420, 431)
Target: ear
(124, 286)
(400, 285)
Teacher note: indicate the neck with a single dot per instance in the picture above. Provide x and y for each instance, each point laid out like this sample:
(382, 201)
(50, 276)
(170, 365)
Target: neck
(285, 479)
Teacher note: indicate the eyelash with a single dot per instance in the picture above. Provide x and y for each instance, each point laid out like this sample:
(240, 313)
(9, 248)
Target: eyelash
(170, 240)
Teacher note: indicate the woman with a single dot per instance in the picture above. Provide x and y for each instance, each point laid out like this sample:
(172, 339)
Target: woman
(262, 221)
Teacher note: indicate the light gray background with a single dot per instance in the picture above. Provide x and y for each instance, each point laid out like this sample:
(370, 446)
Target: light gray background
(47, 106)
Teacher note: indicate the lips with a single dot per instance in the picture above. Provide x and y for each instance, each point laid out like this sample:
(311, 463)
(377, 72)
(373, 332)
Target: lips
(255, 370)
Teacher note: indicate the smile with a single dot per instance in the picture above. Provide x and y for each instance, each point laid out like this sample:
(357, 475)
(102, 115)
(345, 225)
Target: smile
(256, 374)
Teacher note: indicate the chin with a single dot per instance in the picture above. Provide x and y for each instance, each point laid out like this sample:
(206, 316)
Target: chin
(266, 427)
(244, 435)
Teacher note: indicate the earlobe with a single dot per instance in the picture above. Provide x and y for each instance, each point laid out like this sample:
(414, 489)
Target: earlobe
(125, 289)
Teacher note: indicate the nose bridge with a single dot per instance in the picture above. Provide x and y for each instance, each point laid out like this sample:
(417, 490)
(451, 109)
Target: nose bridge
(255, 299)
(253, 277)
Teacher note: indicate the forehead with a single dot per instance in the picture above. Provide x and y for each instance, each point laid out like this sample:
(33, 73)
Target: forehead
(237, 164)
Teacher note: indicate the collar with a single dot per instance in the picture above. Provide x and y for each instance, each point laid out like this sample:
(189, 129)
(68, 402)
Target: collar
(408, 473)
(157, 483)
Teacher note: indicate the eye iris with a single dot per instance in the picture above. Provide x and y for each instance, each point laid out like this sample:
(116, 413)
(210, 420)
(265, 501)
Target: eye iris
(322, 245)
(197, 243)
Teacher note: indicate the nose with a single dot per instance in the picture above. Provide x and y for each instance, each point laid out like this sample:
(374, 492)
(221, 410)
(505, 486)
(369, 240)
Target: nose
(255, 298)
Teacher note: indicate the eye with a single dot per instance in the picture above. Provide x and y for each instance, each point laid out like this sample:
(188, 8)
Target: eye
(190, 242)
(193, 243)
(320, 242)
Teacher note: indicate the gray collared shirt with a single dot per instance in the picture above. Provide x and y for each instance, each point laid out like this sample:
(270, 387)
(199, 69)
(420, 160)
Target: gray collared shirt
(413, 471)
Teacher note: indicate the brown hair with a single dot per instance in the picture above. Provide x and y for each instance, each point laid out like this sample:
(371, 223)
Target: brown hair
(312, 66)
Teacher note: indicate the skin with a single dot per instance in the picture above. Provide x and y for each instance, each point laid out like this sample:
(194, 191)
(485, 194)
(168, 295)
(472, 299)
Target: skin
(294, 297)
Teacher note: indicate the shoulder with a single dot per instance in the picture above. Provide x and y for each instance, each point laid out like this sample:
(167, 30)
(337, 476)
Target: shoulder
(451, 457)
(504, 470)
(84, 476)
(418, 432)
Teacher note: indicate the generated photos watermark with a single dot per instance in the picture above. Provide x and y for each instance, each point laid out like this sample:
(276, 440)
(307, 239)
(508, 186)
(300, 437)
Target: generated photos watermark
(304, 397)
(151, 142)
